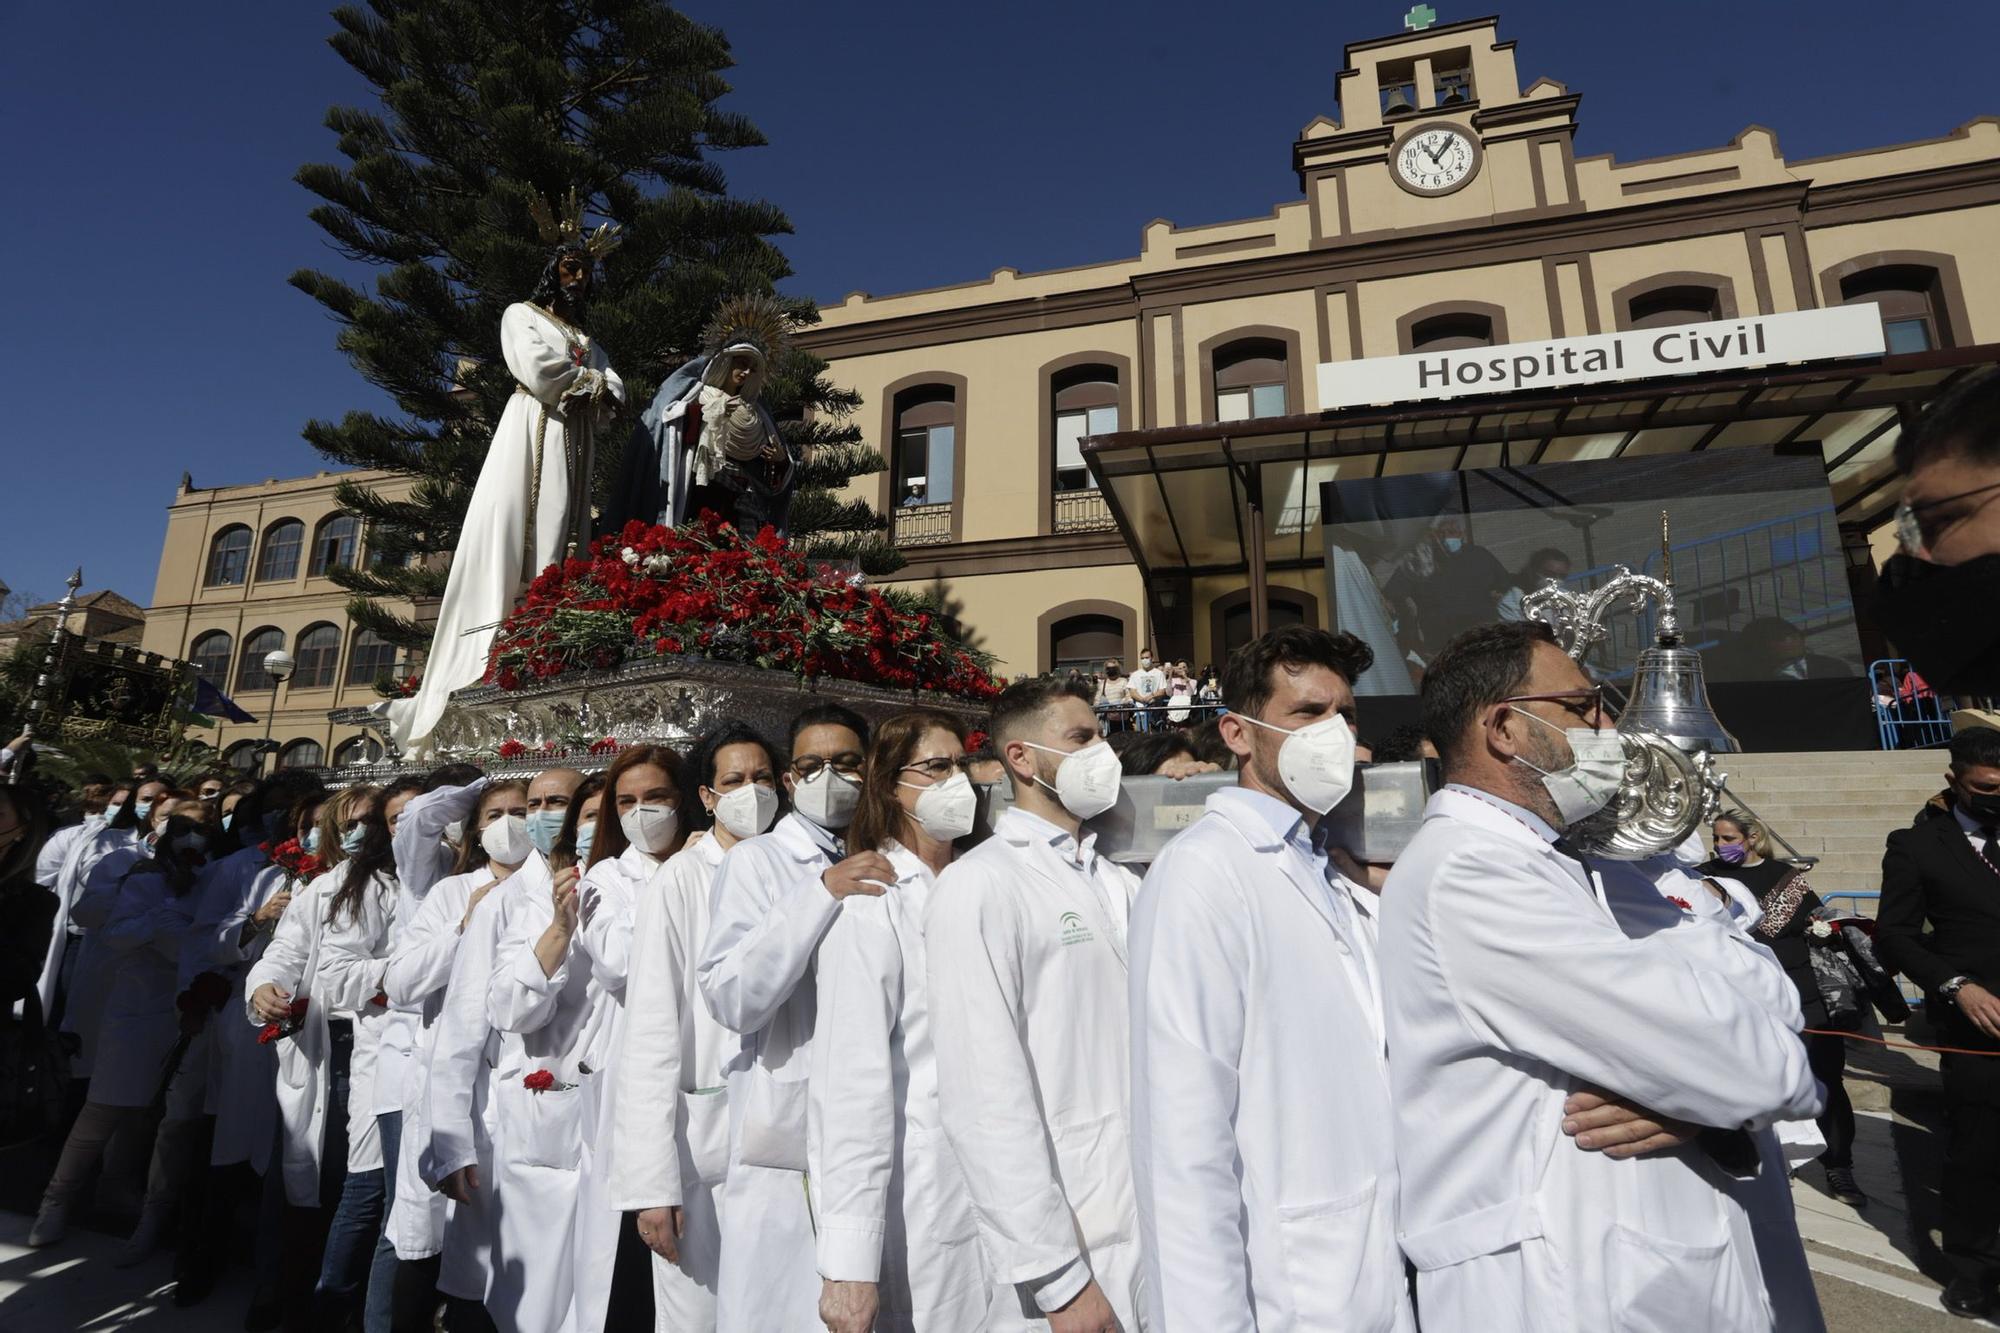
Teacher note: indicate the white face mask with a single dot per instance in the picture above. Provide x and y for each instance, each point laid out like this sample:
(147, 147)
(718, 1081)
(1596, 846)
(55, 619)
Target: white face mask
(543, 826)
(506, 840)
(827, 799)
(142, 810)
(1316, 762)
(352, 839)
(948, 809)
(650, 828)
(1597, 767)
(1087, 779)
(747, 810)
(585, 835)
(454, 832)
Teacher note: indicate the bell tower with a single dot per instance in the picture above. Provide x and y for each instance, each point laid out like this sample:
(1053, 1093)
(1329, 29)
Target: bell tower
(1433, 128)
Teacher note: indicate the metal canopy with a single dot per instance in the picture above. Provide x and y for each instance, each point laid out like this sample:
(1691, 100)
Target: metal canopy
(1240, 496)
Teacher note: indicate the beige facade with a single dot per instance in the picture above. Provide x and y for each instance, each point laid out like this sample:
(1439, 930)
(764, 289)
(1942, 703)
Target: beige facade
(1211, 322)
(245, 570)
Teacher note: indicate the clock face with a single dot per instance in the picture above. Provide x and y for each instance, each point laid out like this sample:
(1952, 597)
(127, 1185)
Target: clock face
(1435, 160)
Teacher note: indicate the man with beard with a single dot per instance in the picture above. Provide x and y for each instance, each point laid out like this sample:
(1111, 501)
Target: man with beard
(531, 505)
(1937, 596)
(1519, 971)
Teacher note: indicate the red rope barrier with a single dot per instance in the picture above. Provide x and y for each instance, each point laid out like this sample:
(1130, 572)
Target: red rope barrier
(1899, 1045)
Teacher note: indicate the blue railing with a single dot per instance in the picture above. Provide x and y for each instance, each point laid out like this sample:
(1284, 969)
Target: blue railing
(1909, 714)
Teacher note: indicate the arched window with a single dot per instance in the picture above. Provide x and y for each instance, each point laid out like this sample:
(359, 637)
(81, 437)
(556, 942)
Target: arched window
(318, 654)
(209, 656)
(1229, 616)
(242, 756)
(369, 657)
(926, 448)
(357, 750)
(229, 557)
(279, 559)
(1912, 300)
(1250, 380)
(300, 754)
(250, 673)
(1665, 306)
(335, 543)
(1086, 403)
(1086, 642)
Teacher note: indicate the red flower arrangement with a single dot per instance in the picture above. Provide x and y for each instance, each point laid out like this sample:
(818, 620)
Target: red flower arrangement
(975, 741)
(705, 590)
(542, 1080)
(286, 1026)
(291, 857)
(390, 688)
(606, 745)
(512, 749)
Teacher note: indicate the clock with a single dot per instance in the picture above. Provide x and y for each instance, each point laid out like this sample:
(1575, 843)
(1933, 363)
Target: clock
(1434, 159)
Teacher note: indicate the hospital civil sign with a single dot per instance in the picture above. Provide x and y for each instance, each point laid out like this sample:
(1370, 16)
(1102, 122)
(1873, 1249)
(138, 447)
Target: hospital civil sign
(1636, 354)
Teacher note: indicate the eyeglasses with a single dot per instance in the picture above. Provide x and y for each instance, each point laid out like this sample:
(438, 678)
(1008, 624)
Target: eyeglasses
(1590, 705)
(807, 767)
(937, 770)
(1915, 533)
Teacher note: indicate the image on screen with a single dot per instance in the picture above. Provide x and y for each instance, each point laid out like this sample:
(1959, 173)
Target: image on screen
(1759, 580)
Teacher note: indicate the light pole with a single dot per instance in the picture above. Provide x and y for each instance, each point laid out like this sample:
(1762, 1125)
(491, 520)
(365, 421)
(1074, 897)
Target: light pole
(278, 665)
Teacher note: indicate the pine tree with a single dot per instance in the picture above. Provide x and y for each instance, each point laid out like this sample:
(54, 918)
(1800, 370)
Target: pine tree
(487, 106)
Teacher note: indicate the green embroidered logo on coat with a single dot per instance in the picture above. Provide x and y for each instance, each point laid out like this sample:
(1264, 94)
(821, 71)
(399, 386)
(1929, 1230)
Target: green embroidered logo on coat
(1074, 931)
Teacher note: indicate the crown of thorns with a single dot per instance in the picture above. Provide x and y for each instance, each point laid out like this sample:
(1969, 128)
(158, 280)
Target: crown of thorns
(568, 228)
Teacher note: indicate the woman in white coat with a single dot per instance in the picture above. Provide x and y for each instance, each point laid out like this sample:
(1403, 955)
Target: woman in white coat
(558, 984)
(154, 906)
(97, 869)
(331, 1149)
(424, 946)
(897, 1244)
(670, 1130)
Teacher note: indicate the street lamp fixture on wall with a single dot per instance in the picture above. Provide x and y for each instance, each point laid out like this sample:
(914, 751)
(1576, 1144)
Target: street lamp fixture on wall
(278, 665)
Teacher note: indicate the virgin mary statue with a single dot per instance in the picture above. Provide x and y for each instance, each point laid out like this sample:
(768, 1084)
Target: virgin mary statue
(531, 504)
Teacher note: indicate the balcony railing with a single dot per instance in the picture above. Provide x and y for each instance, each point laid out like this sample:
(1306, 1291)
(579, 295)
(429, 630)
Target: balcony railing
(1082, 511)
(923, 525)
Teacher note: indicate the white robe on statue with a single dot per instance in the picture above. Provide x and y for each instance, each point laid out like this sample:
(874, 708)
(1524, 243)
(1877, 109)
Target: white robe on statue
(521, 518)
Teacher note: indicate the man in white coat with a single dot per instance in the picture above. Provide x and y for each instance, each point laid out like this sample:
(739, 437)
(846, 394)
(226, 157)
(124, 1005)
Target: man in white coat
(773, 899)
(1509, 982)
(1026, 943)
(1262, 1146)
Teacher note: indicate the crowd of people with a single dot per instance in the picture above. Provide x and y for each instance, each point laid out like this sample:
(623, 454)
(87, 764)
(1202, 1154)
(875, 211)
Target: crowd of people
(776, 1033)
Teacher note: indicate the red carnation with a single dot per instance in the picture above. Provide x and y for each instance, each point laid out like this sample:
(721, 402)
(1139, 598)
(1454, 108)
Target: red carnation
(512, 749)
(269, 1033)
(1681, 903)
(605, 746)
(539, 1081)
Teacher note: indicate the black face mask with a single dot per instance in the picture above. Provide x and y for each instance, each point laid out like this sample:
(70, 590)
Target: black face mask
(1945, 619)
(1981, 807)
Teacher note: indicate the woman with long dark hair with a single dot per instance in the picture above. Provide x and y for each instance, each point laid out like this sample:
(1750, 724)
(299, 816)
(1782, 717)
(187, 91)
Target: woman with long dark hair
(578, 833)
(142, 937)
(876, 1151)
(565, 997)
(670, 1133)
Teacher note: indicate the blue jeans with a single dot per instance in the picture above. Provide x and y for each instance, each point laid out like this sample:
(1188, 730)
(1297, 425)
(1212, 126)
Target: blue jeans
(357, 1218)
(375, 1314)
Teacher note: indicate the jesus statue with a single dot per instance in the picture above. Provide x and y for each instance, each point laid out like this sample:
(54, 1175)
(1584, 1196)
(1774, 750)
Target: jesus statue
(531, 505)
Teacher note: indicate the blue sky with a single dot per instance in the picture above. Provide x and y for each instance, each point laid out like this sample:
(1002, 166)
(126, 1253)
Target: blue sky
(150, 217)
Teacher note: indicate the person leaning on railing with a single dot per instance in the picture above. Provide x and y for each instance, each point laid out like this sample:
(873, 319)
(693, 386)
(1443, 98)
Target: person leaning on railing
(1113, 703)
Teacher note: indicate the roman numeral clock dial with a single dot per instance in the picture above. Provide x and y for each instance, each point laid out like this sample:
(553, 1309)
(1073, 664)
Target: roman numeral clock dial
(1434, 159)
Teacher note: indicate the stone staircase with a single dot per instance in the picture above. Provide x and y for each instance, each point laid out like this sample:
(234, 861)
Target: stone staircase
(1838, 806)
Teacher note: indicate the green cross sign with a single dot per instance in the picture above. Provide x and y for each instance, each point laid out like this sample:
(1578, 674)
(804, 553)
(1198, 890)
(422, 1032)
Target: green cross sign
(1420, 17)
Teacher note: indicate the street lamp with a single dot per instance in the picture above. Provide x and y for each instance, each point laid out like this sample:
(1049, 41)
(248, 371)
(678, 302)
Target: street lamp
(278, 665)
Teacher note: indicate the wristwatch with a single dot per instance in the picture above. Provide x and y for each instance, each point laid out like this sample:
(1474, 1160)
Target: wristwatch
(1949, 991)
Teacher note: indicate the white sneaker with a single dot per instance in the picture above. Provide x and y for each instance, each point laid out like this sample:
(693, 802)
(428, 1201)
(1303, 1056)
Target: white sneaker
(145, 1238)
(51, 1223)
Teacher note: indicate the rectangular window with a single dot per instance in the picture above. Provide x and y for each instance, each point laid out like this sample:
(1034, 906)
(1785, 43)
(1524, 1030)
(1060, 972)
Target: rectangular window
(1232, 405)
(1267, 400)
(1907, 335)
(1071, 428)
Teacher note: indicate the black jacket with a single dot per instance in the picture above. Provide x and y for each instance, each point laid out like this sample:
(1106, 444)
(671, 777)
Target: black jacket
(1939, 919)
(1790, 945)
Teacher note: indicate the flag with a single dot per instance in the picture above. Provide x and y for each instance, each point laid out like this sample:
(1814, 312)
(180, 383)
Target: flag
(211, 702)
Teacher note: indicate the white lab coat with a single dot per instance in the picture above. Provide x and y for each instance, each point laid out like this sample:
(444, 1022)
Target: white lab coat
(1028, 1009)
(141, 942)
(767, 913)
(242, 1074)
(565, 1024)
(1262, 1144)
(469, 1059)
(50, 863)
(890, 1200)
(96, 871)
(298, 961)
(670, 1121)
(1507, 983)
